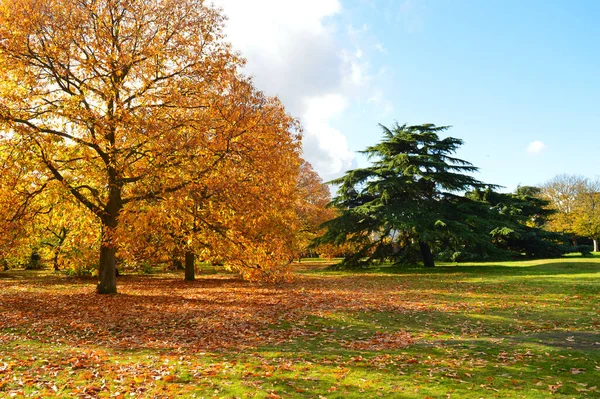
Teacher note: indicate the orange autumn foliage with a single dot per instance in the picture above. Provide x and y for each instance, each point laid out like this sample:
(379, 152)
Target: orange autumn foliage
(311, 207)
(20, 189)
(240, 214)
(130, 103)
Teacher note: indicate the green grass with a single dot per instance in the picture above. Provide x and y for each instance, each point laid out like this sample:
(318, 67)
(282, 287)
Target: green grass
(480, 330)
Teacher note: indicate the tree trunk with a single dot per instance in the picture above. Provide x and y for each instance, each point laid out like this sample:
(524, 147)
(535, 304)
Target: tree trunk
(55, 259)
(177, 265)
(190, 259)
(595, 244)
(107, 273)
(426, 254)
(62, 236)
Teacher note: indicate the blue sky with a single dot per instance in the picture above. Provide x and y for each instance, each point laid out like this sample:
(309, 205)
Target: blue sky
(519, 81)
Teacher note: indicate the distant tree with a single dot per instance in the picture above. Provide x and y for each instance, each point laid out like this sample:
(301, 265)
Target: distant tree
(311, 207)
(563, 192)
(331, 250)
(516, 220)
(531, 191)
(524, 206)
(410, 197)
(65, 232)
(586, 213)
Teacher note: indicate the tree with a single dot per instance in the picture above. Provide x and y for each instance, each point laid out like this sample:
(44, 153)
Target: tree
(21, 186)
(563, 193)
(586, 213)
(515, 222)
(409, 197)
(122, 101)
(529, 191)
(38, 217)
(223, 214)
(311, 207)
(66, 233)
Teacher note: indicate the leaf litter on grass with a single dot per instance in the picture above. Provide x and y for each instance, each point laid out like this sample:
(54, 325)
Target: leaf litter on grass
(334, 335)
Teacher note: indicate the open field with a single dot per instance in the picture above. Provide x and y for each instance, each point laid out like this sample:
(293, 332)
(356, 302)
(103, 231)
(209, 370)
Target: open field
(506, 330)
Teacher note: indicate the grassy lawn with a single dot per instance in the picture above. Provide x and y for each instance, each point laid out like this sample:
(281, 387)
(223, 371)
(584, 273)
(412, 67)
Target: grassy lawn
(506, 330)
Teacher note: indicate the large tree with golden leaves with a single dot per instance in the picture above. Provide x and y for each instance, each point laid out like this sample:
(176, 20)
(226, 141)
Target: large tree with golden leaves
(241, 214)
(122, 101)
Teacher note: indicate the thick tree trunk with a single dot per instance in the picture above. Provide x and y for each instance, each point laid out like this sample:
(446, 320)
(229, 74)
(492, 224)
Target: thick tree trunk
(190, 259)
(596, 249)
(426, 254)
(107, 273)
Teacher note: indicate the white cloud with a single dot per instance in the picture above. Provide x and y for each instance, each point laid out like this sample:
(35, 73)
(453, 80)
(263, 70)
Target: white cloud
(323, 139)
(535, 147)
(355, 71)
(295, 50)
(292, 52)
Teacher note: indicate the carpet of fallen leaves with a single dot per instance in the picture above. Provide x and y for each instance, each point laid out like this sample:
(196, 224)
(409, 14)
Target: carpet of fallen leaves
(325, 335)
(212, 313)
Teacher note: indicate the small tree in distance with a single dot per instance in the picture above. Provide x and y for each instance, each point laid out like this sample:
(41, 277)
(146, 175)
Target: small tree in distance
(576, 202)
(587, 213)
(563, 192)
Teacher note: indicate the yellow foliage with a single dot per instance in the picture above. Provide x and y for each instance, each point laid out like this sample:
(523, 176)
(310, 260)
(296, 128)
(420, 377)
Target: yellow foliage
(146, 122)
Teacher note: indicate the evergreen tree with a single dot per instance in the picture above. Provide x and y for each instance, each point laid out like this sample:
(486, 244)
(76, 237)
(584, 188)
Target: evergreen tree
(516, 221)
(409, 199)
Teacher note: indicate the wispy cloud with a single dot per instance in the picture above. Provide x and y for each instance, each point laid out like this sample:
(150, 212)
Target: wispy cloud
(381, 48)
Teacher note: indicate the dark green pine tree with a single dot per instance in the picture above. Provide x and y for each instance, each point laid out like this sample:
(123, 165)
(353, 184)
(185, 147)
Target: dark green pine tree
(517, 220)
(409, 199)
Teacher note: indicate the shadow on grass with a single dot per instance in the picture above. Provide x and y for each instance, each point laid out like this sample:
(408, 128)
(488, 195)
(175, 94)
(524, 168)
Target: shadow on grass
(549, 267)
(470, 367)
(45, 277)
(158, 280)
